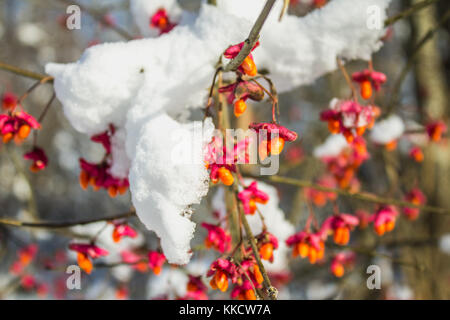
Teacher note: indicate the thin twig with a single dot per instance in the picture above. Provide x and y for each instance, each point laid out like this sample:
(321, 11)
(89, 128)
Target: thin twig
(211, 91)
(41, 117)
(347, 78)
(34, 86)
(23, 72)
(284, 9)
(44, 112)
(59, 225)
(274, 99)
(248, 279)
(274, 92)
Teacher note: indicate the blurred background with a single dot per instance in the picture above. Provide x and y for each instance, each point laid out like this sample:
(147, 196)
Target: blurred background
(414, 259)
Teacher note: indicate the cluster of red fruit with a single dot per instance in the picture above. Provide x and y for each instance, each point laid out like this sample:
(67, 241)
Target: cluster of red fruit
(311, 245)
(17, 126)
(98, 174)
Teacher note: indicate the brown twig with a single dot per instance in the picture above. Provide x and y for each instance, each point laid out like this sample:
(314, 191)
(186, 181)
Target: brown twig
(248, 279)
(273, 97)
(49, 103)
(211, 91)
(347, 78)
(41, 117)
(23, 72)
(274, 93)
(34, 86)
(284, 9)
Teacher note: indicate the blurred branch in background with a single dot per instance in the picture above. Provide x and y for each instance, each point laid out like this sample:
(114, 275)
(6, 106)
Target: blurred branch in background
(364, 196)
(64, 224)
(417, 6)
(32, 206)
(435, 174)
(395, 95)
(22, 72)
